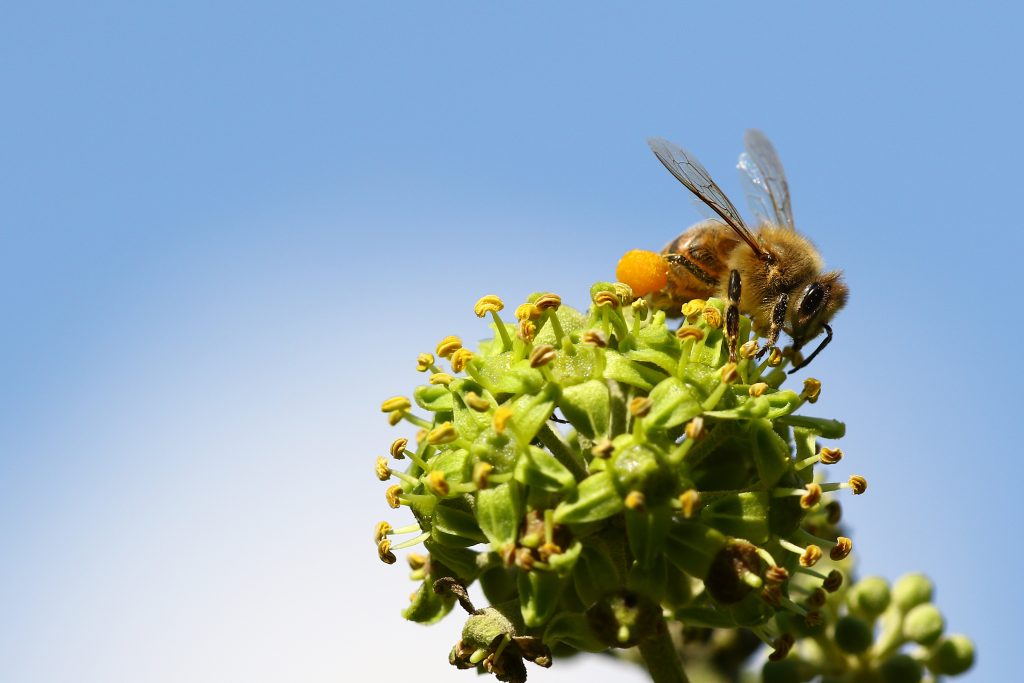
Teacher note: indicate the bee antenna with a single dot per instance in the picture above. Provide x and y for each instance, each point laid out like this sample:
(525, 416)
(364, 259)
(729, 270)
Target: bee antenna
(823, 344)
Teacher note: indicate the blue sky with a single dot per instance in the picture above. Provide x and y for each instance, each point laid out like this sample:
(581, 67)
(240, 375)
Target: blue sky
(227, 230)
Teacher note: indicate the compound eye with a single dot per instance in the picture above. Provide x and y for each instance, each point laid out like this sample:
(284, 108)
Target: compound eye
(812, 300)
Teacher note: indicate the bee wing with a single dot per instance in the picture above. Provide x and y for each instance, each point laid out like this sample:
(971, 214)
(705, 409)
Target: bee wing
(687, 170)
(765, 180)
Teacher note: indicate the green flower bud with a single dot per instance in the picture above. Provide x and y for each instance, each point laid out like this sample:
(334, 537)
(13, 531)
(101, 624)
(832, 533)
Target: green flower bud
(901, 668)
(624, 619)
(911, 590)
(923, 624)
(869, 596)
(853, 634)
(728, 579)
(952, 656)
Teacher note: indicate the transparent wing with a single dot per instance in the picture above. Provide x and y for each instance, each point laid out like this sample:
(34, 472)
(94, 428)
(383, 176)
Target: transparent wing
(687, 170)
(765, 180)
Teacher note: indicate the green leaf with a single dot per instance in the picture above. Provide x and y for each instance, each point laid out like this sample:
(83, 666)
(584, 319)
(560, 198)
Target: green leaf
(742, 515)
(595, 575)
(455, 527)
(630, 372)
(675, 403)
(539, 592)
(692, 547)
(588, 407)
(595, 498)
(530, 413)
(499, 511)
(538, 468)
(433, 397)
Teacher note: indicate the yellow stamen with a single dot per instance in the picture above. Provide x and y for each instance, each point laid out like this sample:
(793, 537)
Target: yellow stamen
(603, 448)
(526, 330)
(501, 417)
(695, 428)
(833, 581)
(449, 345)
(635, 500)
(392, 494)
(481, 472)
(830, 456)
(595, 338)
(459, 359)
(729, 373)
(443, 433)
(416, 561)
(384, 552)
(810, 556)
(812, 390)
(686, 332)
(395, 417)
(441, 378)
(858, 484)
(775, 358)
(488, 304)
(640, 406)
(749, 350)
(623, 291)
(811, 498)
(549, 300)
(691, 309)
(527, 312)
(383, 471)
(542, 355)
(381, 531)
(758, 389)
(397, 449)
(399, 403)
(776, 575)
(841, 549)
(476, 402)
(712, 316)
(689, 501)
(437, 483)
(424, 361)
(606, 299)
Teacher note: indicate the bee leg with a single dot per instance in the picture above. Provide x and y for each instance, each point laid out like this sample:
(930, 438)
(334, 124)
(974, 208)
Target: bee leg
(778, 320)
(732, 315)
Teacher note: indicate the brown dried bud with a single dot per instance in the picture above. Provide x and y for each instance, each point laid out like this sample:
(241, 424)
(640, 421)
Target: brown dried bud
(841, 549)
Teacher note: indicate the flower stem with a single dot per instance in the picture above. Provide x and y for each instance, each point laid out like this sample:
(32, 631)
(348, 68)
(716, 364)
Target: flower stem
(661, 657)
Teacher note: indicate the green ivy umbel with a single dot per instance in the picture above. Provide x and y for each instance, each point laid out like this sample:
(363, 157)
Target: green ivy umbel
(611, 480)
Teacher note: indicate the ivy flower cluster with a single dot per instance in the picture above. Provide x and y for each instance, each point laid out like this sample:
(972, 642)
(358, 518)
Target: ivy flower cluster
(611, 480)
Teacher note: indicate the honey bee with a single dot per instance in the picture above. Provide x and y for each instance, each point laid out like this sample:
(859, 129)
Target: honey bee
(773, 273)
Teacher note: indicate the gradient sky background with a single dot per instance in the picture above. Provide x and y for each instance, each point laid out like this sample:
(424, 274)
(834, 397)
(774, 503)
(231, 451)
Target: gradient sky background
(227, 229)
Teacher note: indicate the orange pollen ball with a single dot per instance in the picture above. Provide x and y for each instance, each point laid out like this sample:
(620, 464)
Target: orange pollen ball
(644, 271)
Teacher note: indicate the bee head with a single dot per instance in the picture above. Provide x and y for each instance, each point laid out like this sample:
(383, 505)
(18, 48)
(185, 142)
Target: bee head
(817, 304)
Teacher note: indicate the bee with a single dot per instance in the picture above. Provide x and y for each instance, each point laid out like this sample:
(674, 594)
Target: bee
(772, 273)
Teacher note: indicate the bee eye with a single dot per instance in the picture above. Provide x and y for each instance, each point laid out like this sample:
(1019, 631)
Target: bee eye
(812, 300)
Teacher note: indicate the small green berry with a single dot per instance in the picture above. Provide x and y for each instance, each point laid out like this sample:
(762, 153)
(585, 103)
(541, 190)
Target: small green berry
(911, 590)
(789, 670)
(923, 624)
(901, 668)
(952, 656)
(853, 635)
(869, 596)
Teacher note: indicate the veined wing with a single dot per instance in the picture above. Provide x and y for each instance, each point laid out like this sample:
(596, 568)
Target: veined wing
(765, 180)
(687, 170)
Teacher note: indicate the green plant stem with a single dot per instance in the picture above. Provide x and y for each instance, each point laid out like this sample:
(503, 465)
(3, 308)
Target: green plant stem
(661, 657)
